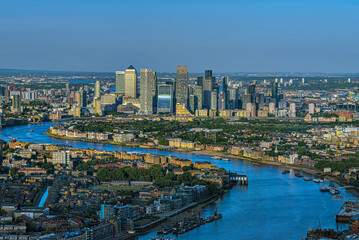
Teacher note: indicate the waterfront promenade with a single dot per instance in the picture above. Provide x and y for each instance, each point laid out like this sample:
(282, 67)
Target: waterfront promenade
(270, 201)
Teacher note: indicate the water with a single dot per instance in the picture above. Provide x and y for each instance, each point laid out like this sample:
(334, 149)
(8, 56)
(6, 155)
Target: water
(44, 197)
(273, 205)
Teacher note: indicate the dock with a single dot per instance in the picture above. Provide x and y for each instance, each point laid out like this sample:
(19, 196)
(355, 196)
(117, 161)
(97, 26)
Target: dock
(347, 211)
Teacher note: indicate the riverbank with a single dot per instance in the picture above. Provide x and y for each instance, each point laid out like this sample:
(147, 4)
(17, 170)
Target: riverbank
(133, 145)
(311, 171)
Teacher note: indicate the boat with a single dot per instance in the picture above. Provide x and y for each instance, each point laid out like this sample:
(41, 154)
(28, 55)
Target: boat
(255, 164)
(217, 158)
(31, 130)
(317, 180)
(225, 159)
(324, 189)
(298, 175)
(286, 171)
(307, 179)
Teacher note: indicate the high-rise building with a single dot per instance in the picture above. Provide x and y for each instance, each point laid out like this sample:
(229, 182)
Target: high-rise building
(200, 81)
(67, 89)
(165, 98)
(16, 103)
(97, 89)
(208, 82)
(214, 100)
(83, 98)
(225, 92)
(61, 157)
(146, 94)
(154, 92)
(120, 82)
(275, 90)
(198, 94)
(182, 86)
(271, 107)
(131, 82)
(311, 108)
(251, 90)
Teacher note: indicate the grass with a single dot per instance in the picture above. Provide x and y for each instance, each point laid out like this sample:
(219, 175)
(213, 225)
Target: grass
(119, 188)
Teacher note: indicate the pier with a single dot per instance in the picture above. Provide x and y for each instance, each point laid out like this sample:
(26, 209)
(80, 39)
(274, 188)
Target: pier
(240, 179)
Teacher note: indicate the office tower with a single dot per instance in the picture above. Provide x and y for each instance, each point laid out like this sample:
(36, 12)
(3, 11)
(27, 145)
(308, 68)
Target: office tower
(207, 89)
(233, 98)
(83, 98)
(16, 103)
(208, 74)
(154, 92)
(251, 90)
(348, 80)
(165, 98)
(131, 82)
(120, 82)
(303, 80)
(200, 81)
(275, 90)
(221, 101)
(97, 90)
(225, 91)
(146, 95)
(198, 97)
(247, 98)
(182, 86)
(214, 100)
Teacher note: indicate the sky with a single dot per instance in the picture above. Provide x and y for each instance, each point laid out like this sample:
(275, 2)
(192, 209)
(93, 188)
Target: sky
(223, 35)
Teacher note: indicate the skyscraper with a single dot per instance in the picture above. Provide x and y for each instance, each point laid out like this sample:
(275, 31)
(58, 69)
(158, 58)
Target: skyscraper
(251, 90)
(182, 86)
(131, 82)
(225, 92)
(97, 90)
(275, 90)
(208, 82)
(120, 82)
(165, 98)
(154, 92)
(214, 100)
(16, 103)
(200, 81)
(146, 93)
(83, 98)
(198, 93)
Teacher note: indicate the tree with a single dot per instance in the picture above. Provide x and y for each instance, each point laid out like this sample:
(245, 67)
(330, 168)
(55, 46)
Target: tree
(163, 141)
(213, 189)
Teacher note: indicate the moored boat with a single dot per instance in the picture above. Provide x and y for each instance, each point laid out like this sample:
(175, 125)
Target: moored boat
(307, 179)
(324, 189)
(316, 180)
(298, 175)
(286, 171)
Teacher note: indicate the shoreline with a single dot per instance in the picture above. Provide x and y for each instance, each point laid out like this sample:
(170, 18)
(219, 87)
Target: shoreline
(211, 153)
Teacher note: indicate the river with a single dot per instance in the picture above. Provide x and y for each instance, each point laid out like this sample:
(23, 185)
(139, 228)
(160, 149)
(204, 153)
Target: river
(273, 205)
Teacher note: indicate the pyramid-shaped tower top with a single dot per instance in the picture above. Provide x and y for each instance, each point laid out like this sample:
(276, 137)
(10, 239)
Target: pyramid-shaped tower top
(131, 67)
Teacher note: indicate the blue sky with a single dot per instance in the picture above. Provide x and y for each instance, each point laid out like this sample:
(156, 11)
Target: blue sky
(226, 35)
